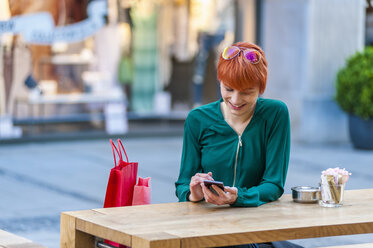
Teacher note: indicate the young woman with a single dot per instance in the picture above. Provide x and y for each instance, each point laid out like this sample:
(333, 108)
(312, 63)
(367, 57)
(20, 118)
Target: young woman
(242, 140)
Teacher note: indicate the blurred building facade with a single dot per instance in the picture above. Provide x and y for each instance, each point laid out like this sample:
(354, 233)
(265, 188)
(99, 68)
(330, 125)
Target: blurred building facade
(142, 62)
(306, 43)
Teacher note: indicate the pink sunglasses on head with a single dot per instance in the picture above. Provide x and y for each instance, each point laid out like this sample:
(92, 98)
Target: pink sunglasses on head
(252, 55)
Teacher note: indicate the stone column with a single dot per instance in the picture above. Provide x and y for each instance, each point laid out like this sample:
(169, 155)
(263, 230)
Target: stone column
(306, 43)
(249, 20)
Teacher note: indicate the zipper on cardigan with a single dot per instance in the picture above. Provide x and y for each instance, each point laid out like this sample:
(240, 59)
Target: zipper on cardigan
(239, 144)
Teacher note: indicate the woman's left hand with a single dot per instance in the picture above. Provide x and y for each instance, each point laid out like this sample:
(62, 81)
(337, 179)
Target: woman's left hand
(228, 196)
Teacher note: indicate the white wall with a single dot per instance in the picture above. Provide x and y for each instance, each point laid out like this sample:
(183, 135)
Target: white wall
(306, 42)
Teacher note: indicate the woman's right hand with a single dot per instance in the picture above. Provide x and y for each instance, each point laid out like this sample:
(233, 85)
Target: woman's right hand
(196, 193)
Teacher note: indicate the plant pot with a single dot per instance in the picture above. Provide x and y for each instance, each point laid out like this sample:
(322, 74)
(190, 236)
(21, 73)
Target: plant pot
(361, 132)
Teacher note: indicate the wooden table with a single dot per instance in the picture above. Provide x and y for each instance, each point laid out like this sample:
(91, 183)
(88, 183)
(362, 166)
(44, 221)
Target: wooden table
(205, 225)
(10, 240)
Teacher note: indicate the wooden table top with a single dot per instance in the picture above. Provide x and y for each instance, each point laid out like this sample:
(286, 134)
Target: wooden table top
(10, 240)
(204, 225)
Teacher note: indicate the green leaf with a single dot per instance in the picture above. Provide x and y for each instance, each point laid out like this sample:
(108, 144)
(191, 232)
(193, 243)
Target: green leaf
(354, 84)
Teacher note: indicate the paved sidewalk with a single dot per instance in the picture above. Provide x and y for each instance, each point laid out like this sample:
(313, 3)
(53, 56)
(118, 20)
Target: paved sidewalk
(40, 180)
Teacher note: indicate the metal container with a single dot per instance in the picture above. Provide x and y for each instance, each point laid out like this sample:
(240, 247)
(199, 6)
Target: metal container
(306, 194)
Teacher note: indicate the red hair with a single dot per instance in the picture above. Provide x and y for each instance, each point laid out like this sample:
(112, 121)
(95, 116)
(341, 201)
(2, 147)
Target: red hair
(239, 74)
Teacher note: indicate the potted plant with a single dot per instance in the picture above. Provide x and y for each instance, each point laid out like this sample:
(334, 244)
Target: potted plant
(354, 94)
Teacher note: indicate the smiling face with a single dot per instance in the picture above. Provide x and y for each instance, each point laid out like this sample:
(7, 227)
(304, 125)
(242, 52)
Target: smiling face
(239, 103)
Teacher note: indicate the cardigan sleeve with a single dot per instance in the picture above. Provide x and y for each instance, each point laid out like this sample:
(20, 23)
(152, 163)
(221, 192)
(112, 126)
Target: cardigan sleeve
(191, 157)
(277, 151)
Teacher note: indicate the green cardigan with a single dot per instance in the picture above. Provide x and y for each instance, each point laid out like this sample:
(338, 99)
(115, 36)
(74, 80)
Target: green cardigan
(256, 163)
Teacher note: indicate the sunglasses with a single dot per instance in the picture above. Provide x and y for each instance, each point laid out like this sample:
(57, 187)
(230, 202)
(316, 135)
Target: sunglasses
(252, 55)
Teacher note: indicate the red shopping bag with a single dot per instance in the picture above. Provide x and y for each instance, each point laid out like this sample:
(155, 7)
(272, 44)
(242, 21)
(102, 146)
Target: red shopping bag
(141, 192)
(121, 189)
(122, 180)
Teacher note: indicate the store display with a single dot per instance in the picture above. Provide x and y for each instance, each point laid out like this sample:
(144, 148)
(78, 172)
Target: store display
(124, 46)
(145, 57)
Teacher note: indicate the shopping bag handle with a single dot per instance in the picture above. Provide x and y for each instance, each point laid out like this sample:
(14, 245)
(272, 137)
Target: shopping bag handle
(120, 154)
(116, 149)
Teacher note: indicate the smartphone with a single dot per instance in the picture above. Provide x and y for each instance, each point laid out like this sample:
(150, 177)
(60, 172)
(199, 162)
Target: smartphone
(209, 183)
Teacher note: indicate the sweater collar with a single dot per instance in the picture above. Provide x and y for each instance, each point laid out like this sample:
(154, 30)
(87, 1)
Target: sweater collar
(221, 116)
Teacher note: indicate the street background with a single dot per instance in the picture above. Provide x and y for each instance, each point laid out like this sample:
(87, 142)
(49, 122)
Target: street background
(138, 74)
(40, 180)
